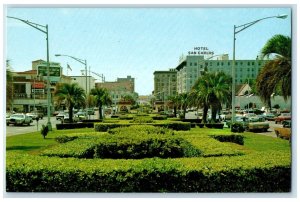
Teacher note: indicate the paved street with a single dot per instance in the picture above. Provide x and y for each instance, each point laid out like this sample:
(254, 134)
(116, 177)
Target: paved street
(16, 130)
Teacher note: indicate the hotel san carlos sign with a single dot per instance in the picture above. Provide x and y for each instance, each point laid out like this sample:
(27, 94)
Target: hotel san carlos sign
(200, 50)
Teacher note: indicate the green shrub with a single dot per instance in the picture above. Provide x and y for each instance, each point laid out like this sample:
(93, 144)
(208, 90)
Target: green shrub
(142, 119)
(237, 127)
(160, 117)
(103, 127)
(44, 130)
(79, 148)
(238, 139)
(120, 146)
(140, 130)
(64, 138)
(253, 173)
(74, 125)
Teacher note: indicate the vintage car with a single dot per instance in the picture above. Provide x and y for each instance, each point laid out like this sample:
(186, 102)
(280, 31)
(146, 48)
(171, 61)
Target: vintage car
(19, 119)
(256, 124)
(269, 116)
(81, 115)
(283, 117)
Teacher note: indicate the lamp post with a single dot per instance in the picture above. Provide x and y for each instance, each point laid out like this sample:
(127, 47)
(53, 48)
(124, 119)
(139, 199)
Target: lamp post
(44, 29)
(236, 30)
(82, 62)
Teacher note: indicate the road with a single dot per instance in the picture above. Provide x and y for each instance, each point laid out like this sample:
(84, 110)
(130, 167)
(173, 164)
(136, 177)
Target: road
(16, 130)
(34, 126)
(270, 132)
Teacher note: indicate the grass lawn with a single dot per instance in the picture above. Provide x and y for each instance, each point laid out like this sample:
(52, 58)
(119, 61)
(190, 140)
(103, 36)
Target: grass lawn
(258, 160)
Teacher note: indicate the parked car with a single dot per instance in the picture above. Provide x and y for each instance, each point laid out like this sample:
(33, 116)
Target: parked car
(283, 117)
(269, 116)
(33, 115)
(66, 118)
(81, 115)
(256, 124)
(90, 111)
(60, 115)
(19, 119)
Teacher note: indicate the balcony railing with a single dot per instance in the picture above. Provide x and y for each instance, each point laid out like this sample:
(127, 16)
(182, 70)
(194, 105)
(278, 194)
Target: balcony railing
(29, 96)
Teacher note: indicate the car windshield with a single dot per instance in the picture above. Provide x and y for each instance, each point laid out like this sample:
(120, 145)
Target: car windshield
(17, 116)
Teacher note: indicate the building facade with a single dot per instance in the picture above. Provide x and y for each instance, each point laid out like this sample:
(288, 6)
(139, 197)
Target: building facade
(85, 82)
(119, 88)
(191, 67)
(165, 84)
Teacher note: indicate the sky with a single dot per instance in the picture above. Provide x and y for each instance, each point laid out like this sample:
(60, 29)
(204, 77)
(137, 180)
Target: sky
(136, 41)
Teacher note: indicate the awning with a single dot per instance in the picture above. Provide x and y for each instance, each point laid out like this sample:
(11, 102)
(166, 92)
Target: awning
(38, 85)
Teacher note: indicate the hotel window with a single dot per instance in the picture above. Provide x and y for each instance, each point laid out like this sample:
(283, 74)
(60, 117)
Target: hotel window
(241, 63)
(252, 69)
(217, 63)
(248, 69)
(252, 63)
(210, 64)
(248, 63)
(228, 63)
(236, 63)
(222, 63)
(191, 64)
(241, 70)
(195, 64)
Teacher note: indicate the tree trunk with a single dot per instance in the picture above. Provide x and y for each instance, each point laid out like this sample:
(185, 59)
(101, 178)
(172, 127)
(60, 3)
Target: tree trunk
(71, 113)
(100, 112)
(204, 116)
(175, 112)
(214, 113)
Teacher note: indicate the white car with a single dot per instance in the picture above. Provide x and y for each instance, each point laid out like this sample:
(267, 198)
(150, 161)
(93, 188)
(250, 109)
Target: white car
(19, 119)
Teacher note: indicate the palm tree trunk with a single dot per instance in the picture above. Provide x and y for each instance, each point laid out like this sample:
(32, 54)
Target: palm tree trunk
(100, 112)
(213, 113)
(204, 116)
(175, 112)
(71, 113)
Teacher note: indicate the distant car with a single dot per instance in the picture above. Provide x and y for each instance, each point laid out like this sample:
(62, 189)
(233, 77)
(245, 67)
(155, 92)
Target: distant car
(269, 116)
(19, 119)
(81, 115)
(60, 115)
(90, 111)
(66, 118)
(283, 117)
(32, 115)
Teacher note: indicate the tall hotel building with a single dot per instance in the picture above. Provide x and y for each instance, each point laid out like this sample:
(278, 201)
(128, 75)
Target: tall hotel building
(191, 67)
(165, 83)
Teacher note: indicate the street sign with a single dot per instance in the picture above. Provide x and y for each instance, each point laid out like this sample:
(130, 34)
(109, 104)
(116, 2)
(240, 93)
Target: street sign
(54, 71)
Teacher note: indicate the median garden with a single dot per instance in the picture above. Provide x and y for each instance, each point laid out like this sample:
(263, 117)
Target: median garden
(147, 156)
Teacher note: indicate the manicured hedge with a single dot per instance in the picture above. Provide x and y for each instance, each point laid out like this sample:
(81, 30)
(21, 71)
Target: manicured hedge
(160, 117)
(74, 125)
(163, 146)
(238, 139)
(215, 125)
(253, 173)
(92, 121)
(103, 127)
(142, 119)
(192, 120)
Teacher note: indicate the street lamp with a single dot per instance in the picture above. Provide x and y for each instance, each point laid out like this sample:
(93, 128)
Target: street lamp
(82, 62)
(43, 29)
(236, 30)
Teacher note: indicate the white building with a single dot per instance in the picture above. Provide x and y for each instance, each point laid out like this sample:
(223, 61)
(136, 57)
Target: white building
(85, 82)
(191, 67)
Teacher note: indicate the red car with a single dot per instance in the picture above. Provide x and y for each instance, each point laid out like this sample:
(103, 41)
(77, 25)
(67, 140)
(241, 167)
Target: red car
(283, 117)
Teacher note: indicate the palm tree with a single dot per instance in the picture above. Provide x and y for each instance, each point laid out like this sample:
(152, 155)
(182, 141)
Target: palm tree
(175, 103)
(212, 90)
(184, 101)
(72, 94)
(102, 97)
(277, 72)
